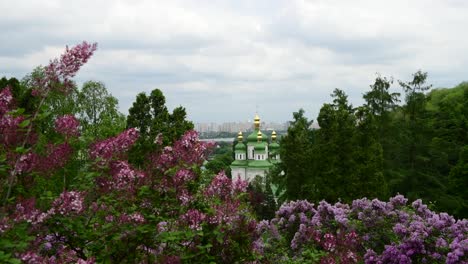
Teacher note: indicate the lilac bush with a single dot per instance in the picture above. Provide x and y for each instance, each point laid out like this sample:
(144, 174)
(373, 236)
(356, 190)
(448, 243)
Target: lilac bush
(160, 214)
(372, 231)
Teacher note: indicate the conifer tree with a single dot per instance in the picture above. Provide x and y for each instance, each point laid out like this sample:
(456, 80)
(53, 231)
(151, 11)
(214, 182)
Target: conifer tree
(297, 165)
(156, 125)
(336, 164)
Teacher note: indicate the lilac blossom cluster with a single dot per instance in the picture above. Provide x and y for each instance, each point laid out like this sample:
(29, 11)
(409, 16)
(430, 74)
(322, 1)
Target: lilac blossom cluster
(372, 231)
(11, 134)
(422, 235)
(187, 150)
(105, 150)
(64, 255)
(58, 74)
(67, 125)
(69, 203)
(6, 100)
(193, 218)
(135, 218)
(124, 177)
(55, 156)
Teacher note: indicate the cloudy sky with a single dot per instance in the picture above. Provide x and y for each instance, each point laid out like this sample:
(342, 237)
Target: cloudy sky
(222, 60)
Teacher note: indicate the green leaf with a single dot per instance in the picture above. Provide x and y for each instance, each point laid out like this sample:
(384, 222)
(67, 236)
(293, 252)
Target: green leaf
(43, 115)
(21, 150)
(25, 123)
(17, 112)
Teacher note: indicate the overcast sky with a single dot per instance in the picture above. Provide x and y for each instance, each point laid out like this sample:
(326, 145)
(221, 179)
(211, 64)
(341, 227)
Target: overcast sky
(222, 60)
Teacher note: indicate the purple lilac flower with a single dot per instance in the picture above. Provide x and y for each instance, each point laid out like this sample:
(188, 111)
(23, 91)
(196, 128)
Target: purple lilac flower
(67, 125)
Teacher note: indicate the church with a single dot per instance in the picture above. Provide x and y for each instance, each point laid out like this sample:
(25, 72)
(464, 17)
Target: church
(256, 155)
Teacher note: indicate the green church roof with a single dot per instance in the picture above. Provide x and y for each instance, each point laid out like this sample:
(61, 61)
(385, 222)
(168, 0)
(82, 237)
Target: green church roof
(274, 145)
(260, 164)
(260, 146)
(253, 136)
(239, 163)
(240, 146)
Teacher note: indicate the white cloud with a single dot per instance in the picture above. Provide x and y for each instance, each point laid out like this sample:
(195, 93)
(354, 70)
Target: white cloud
(221, 59)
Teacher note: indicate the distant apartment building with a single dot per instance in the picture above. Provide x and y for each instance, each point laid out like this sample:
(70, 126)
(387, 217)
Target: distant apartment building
(234, 127)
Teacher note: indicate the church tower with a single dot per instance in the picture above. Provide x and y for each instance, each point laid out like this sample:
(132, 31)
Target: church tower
(256, 156)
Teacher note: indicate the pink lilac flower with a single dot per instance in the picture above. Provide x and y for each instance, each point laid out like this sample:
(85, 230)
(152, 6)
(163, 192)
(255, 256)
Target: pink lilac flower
(5, 224)
(162, 226)
(188, 150)
(135, 218)
(193, 218)
(67, 125)
(26, 163)
(58, 73)
(183, 196)
(225, 213)
(220, 186)
(124, 177)
(88, 261)
(239, 185)
(105, 150)
(27, 211)
(330, 242)
(56, 156)
(31, 257)
(6, 100)
(69, 203)
(10, 134)
(182, 176)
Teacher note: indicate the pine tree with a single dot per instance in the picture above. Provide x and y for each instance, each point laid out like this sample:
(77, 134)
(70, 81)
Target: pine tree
(150, 115)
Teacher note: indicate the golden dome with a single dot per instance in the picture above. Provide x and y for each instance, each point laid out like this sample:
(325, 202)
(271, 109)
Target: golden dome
(257, 121)
(273, 135)
(259, 136)
(239, 136)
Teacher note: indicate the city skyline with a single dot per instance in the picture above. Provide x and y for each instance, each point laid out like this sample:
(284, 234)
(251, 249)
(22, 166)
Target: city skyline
(234, 127)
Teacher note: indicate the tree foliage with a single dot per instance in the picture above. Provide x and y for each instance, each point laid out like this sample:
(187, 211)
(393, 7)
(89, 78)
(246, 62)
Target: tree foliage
(381, 148)
(156, 125)
(294, 170)
(97, 111)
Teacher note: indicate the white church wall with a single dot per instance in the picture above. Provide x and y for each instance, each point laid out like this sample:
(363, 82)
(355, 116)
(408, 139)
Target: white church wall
(251, 173)
(236, 172)
(250, 151)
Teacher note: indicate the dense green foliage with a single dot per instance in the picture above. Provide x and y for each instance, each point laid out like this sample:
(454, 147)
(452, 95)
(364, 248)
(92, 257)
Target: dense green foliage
(222, 158)
(97, 111)
(155, 124)
(381, 148)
